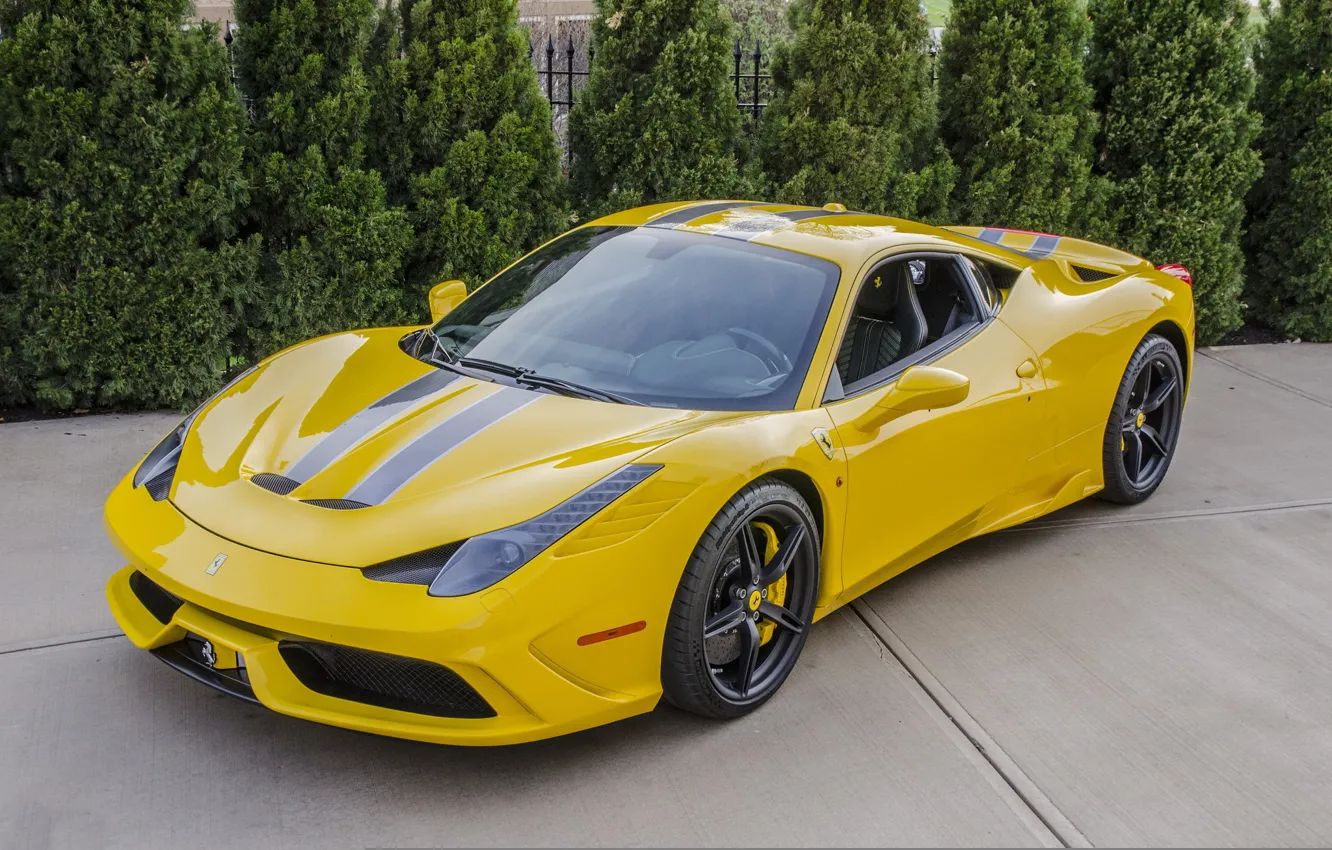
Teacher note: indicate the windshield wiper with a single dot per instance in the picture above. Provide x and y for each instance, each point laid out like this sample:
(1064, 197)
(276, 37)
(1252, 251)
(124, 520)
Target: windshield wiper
(529, 378)
(572, 388)
(491, 366)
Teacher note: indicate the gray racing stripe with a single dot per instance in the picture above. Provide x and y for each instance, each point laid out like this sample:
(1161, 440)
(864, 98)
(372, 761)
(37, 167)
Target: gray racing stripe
(688, 214)
(413, 459)
(1043, 247)
(342, 438)
(989, 234)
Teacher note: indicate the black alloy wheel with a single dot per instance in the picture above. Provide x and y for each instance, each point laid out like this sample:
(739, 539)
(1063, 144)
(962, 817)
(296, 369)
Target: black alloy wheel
(1144, 426)
(743, 610)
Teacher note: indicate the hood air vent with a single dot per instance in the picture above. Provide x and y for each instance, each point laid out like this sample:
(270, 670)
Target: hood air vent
(280, 484)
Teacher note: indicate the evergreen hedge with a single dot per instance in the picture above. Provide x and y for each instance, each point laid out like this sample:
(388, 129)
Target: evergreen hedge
(463, 136)
(657, 119)
(333, 247)
(1173, 83)
(1017, 116)
(121, 180)
(1290, 231)
(855, 118)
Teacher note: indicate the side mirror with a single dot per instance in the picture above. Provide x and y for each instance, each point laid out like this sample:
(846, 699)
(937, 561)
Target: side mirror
(444, 297)
(918, 388)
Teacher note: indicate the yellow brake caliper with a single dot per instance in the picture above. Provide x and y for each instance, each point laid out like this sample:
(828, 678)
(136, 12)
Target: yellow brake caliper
(776, 593)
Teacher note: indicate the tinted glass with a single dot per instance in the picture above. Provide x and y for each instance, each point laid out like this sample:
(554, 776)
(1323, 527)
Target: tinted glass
(665, 317)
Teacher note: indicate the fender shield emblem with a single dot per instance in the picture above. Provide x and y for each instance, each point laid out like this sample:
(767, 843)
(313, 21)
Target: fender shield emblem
(824, 440)
(216, 565)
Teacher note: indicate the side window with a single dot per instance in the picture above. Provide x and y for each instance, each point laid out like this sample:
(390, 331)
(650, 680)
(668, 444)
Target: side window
(985, 279)
(905, 309)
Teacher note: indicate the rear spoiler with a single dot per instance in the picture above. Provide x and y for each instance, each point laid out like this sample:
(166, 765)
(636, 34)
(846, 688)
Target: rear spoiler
(1087, 261)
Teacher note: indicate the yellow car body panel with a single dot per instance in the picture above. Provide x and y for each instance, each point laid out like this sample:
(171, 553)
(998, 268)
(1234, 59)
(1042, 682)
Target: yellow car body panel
(252, 568)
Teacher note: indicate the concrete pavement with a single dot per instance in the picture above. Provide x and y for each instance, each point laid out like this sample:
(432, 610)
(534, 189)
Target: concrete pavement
(1155, 675)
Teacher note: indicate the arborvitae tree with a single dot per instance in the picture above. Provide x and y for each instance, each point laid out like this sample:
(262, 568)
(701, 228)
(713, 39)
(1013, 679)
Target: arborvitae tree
(766, 22)
(1290, 231)
(462, 134)
(1173, 83)
(121, 177)
(333, 247)
(855, 119)
(1017, 114)
(657, 120)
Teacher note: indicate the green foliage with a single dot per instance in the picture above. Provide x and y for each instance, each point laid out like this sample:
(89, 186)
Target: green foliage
(121, 179)
(657, 120)
(1172, 80)
(333, 247)
(1017, 115)
(1290, 234)
(463, 136)
(767, 22)
(854, 119)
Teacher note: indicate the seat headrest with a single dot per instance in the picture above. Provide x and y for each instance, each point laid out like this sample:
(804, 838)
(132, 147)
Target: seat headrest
(879, 296)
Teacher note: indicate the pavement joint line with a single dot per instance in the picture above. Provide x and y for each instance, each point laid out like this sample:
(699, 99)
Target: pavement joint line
(1032, 797)
(1305, 504)
(1267, 379)
(49, 643)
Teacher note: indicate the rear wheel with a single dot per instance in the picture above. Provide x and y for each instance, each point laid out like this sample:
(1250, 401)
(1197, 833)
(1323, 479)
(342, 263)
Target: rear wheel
(1143, 430)
(744, 605)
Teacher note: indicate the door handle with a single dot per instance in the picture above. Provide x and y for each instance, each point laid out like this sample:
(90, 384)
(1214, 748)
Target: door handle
(1027, 369)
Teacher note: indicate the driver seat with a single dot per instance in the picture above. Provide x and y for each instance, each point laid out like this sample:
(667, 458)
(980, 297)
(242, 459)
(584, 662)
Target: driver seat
(886, 326)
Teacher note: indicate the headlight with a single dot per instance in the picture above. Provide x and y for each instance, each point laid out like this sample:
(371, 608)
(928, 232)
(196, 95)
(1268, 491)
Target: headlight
(484, 560)
(159, 468)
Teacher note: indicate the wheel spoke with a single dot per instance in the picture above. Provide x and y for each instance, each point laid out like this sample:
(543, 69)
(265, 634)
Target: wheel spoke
(750, 559)
(1160, 394)
(782, 617)
(1133, 456)
(725, 620)
(1153, 441)
(1143, 384)
(750, 642)
(781, 562)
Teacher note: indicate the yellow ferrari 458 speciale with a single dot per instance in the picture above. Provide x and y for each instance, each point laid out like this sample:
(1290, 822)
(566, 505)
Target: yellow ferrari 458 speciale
(640, 462)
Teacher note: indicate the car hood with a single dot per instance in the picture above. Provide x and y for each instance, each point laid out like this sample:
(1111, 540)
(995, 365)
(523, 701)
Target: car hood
(347, 451)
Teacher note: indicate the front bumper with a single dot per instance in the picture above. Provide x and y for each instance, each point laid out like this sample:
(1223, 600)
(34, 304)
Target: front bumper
(515, 645)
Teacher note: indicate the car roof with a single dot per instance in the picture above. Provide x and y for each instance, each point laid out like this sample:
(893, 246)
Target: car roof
(846, 237)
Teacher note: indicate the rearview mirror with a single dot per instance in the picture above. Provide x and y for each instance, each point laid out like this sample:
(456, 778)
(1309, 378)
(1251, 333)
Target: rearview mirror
(918, 388)
(444, 297)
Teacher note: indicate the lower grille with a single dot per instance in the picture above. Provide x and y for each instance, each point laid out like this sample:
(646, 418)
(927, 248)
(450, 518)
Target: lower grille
(388, 681)
(184, 656)
(160, 602)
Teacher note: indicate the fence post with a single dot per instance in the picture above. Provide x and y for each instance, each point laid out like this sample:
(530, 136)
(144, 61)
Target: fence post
(758, 56)
(568, 75)
(550, 72)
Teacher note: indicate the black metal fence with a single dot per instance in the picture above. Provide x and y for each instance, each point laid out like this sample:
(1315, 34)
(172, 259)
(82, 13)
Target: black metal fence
(565, 70)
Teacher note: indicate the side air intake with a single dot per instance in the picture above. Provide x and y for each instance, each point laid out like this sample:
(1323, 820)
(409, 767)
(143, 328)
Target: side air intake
(1087, 275)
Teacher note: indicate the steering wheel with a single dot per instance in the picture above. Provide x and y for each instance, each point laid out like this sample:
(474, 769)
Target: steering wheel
(775, 360)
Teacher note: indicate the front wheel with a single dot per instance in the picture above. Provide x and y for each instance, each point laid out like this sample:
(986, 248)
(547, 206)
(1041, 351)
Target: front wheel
(1143, 430)
(743, 609)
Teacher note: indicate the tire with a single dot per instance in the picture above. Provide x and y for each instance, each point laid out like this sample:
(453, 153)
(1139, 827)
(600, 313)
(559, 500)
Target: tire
(766, 633)
(1143, 430)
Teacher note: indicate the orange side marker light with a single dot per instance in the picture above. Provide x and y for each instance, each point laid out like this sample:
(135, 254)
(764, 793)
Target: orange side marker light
(618, 631)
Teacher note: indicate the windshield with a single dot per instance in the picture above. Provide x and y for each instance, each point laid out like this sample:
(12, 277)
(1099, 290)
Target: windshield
(663, 317)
